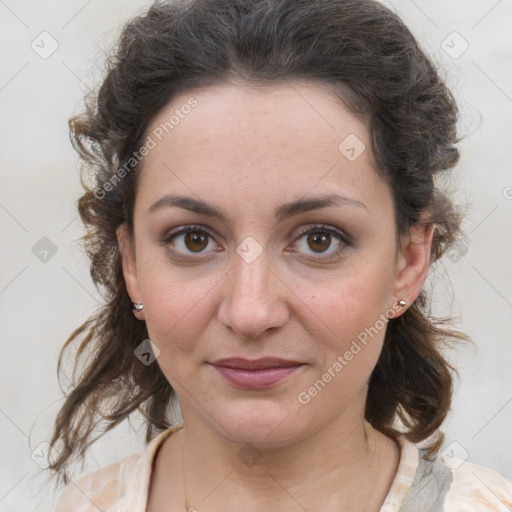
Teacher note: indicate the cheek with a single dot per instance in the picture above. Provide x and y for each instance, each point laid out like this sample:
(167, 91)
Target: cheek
(346, 306)
(176, 309)
(346, 352)
(355, 340)
(348, 326)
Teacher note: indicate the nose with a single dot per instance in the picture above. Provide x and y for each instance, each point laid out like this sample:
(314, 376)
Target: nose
(254, 298)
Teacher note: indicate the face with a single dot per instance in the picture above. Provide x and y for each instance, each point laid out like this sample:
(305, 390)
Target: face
(280, 272)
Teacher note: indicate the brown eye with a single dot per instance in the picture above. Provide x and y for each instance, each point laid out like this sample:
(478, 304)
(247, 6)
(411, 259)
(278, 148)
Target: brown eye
(319, 242)
(196, 241)
(188, 240)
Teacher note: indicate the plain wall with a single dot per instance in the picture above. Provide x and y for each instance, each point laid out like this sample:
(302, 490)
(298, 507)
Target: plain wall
(41, 302)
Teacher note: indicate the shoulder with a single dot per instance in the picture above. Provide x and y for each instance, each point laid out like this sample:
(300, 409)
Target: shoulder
(98, 490)
(476, 488)
(445, 483)
(121, 485)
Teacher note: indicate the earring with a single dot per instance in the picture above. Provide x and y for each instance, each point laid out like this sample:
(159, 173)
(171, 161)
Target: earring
(137, 306)
(401, 303)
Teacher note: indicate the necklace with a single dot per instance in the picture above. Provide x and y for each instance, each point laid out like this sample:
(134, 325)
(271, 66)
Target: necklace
(187, 508)
(367, 428)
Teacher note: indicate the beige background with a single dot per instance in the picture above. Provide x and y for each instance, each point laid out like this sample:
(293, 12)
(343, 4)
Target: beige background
(41, 303)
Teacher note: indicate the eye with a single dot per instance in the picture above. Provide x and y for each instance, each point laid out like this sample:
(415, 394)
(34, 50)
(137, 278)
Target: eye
(188, 240)
(195, 239)
(320, 239)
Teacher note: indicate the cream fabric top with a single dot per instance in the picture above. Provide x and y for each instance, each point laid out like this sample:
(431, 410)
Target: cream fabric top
(447, 484)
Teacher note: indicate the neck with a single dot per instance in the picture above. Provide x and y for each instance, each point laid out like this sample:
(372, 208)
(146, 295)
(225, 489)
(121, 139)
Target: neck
(335, 468)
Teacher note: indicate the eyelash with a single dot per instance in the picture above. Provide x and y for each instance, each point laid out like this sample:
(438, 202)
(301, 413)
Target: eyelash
(344, 240)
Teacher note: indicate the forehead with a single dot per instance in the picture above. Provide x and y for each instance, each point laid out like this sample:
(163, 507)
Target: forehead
(279, 140)
(301, 113)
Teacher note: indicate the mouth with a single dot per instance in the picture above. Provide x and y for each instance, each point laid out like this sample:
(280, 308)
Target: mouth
(255, 364)
(256, 374)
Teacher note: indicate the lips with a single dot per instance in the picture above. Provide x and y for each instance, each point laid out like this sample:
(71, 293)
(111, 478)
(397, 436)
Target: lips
(256, 374)
(255, 364)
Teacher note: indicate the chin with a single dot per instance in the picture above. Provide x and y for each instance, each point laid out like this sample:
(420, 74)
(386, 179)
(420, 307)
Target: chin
(266, 424)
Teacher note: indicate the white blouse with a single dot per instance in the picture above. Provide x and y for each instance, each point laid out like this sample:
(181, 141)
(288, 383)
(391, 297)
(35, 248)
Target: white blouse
(446, 484)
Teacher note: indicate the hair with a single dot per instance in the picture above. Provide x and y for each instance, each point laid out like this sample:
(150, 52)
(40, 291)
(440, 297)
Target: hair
(367, 56)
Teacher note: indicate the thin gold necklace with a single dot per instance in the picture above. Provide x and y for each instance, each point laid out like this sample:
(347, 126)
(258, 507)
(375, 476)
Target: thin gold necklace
(187, 508)
(367, 427)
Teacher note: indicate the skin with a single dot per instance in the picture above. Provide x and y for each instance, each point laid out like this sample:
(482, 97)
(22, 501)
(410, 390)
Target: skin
(247, 151)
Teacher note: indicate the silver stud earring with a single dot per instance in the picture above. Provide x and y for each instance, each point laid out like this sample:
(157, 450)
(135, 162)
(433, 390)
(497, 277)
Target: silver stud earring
(402, 303)
(137, 306)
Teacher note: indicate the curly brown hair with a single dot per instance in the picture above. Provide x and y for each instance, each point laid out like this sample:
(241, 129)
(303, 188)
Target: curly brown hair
(370, 59)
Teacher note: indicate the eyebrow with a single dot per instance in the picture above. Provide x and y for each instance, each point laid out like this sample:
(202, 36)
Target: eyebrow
(282, 212)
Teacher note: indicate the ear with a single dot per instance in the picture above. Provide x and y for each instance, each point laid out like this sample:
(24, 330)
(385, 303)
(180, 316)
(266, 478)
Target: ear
(127, 250)
(413, 261)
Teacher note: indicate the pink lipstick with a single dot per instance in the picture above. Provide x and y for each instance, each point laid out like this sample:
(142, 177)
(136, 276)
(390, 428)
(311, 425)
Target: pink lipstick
(256, 374)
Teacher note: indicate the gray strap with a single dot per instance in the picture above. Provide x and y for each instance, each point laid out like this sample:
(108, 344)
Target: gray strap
(429, 487)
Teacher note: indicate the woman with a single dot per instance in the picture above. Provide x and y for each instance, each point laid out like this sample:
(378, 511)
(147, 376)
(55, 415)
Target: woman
(262, 220)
